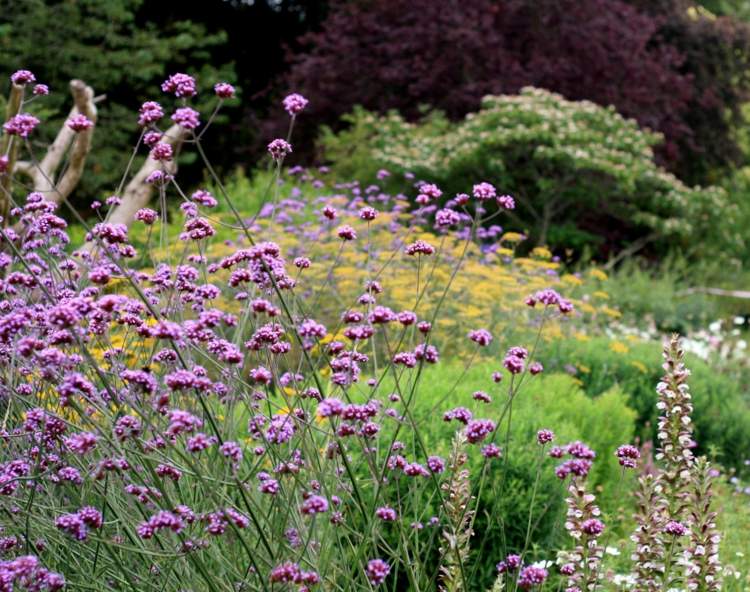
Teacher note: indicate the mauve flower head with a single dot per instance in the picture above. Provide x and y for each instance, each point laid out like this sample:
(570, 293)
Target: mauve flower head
(431, 190)
(420, 247)
(628, 456)
(22, 77)
(377, 570)
(368, 213)
(531, 576)
(315, 504)
(21, 125)
(204, 198)
(224, 90)
(79, 123)
(147, 216)
(150, 112)
(41, 90)
(387, 514)
(151, 138)
(478, 429)
(481, 396)
(506, 202)
(492, 451)
(436, 464)
(447, 217)
(580, 450)
(510, 563)
(159, 178)
(294, 103)
(302, 262)
(592, 527)
(536, 368)
(675, 528)
(484, 191)
(545, 436)
(162, 152)
(278, 149)
(181, 85)
(346, 233)
(513, 364)
(186, 117)
(4, 161)
(576, 466)
(481, 337)
(568, 569)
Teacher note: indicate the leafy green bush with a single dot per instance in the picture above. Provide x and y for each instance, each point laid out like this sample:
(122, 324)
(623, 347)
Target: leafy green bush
(580, 173)
(721, 417)
(660, 297)
(553, 401)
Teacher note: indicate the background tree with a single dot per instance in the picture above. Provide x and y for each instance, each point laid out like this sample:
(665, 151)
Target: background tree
(679, 73)
(110, 47)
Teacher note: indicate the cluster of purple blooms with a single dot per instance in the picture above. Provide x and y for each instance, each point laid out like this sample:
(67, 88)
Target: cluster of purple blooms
(157, 402)
(26, 572)
(578, 465)
(526, 577)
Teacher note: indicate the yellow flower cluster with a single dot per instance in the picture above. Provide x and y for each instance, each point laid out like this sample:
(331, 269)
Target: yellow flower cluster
(458, 289)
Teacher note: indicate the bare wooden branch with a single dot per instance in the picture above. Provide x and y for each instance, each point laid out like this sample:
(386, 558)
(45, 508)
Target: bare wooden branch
(744, 294)
(83, 96)
(137, 193)
(9, 147)
(43, 175)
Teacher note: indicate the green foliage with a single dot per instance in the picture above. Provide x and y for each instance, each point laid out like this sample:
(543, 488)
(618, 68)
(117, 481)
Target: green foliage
(721, 415)
(106, 45)
(659, 297)
(554, 402)
(575, 169)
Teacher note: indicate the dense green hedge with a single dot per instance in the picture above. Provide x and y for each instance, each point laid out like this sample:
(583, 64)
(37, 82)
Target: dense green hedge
(555, 402)
(721, 414)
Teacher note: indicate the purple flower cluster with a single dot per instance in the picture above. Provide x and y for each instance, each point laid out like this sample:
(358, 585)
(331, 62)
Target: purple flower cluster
(21, 125)
(180, 85)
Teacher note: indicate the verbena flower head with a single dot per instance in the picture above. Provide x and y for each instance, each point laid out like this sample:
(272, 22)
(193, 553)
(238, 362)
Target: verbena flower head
(531, 576)
(545, 436)
(21, 125)
(22, 77)
(294, 104)
(224, 90)
(186, 117)
(162, 152)
(181, 85)
(377, 571)
(628, 456)
(150, 112)
(674, 528)
(481, 337)
(79, 123)
(484, 191)
(279, 149)
(40, 90)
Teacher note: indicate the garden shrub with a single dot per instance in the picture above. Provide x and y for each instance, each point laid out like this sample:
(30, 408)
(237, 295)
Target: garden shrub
(659, 298)
(603, 422)
(722, 417)
(566, 163)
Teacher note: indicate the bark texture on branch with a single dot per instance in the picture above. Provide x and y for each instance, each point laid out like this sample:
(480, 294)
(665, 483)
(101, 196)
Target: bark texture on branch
(9, 148)
(137, 193)
(43, 174)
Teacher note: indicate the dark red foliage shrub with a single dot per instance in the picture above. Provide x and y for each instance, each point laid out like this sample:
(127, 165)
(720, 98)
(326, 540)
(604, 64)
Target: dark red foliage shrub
(716, 55)
(404, 54)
